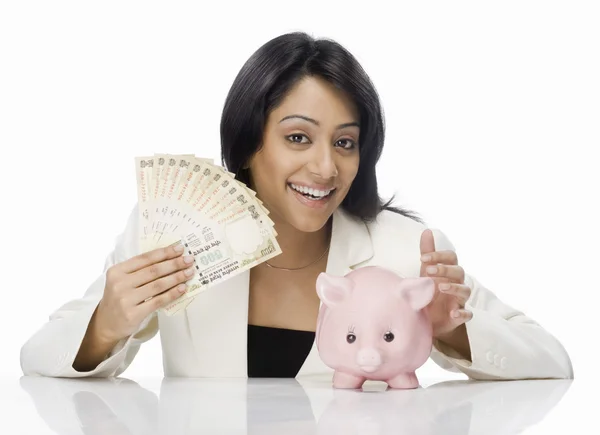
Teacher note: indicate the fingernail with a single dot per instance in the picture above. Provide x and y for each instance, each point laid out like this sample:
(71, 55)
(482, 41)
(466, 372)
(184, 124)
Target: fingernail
(431, 269)
(178, 248)
(181, 288)
(455, 313)
(425, 258)
(444, 286)
(188, 258)
(189, 272)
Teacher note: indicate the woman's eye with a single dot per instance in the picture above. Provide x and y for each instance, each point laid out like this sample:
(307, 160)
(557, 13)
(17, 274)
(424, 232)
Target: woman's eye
(292, 138)
(350, 144)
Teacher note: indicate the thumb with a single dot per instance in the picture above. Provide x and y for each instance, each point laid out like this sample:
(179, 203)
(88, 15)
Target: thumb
(427, 246)
(427, 242)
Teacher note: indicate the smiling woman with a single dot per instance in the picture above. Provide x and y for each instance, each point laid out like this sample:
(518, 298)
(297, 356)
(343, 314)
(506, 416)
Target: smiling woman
(302, 125)
(316, 156)
(310, 150)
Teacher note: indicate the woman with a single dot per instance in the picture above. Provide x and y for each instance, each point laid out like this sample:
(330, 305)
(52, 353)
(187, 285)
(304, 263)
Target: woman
(302, 125)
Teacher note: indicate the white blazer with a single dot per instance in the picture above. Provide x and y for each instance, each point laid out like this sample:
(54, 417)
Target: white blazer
(208, 339)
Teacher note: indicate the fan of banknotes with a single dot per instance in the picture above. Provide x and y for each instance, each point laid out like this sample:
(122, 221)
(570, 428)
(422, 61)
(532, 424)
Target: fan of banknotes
(190, 200)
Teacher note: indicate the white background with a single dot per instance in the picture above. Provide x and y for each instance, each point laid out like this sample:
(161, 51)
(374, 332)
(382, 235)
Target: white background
(493, 129)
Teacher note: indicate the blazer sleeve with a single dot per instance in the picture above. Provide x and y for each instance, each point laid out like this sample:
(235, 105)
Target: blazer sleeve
(53, 348)
(505, 343)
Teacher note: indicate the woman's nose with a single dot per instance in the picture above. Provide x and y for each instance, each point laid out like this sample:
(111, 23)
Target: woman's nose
(323, 162)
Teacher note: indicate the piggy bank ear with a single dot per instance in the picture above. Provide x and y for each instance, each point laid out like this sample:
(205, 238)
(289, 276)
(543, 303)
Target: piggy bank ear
(333, 289)
(418, 292)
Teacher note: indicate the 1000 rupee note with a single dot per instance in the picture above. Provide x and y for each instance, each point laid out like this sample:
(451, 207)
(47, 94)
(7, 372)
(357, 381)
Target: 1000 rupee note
(215, 191)
(189, 200)
(191, 179)
(167, 177)
(228, 195)
(188, 185)
(195, 189)
(206, 188)
(241, 203)
(143, 170)
(159, 164)
(223, 198)
(222, 251)
(168, 184)
(172, 182)
(244, 203)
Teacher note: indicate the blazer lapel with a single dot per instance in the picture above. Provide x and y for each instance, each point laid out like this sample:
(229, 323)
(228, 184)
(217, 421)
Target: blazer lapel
(350, 244)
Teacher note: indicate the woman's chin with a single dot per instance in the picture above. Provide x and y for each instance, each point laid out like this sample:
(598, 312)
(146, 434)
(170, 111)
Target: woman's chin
(308, 224)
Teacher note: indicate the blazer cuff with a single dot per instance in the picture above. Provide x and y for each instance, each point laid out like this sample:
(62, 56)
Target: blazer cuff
(488, 353)
(68, 334)
(503, 350)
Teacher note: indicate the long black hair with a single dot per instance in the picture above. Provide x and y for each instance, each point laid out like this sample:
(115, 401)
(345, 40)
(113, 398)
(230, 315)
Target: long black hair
(262, 84)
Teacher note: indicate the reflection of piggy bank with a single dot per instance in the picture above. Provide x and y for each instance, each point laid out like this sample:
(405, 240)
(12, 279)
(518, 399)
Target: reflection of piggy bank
(403, 412)
(372, 326)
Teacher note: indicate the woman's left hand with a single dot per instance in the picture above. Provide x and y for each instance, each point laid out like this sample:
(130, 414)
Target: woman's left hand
(447, 309)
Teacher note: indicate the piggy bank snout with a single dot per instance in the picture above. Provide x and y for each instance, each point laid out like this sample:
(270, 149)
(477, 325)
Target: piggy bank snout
(368, 359)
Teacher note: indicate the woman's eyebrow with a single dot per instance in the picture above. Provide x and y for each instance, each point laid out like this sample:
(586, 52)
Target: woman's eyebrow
(306, 118)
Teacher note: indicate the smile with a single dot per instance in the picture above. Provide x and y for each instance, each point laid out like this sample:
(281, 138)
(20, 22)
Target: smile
(310, 193)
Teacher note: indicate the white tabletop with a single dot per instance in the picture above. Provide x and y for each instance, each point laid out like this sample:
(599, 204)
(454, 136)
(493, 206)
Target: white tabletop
(36, 405)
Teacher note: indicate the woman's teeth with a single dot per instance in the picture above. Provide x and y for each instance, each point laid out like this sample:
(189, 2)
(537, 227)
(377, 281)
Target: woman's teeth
(311, 193)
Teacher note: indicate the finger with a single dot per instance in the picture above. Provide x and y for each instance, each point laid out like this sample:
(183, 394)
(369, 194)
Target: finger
(162, 284)
(444, 257)
(146, 259)
(157, 271)
(460, 291)
(460, 316)
(160, 301)
(453, 273)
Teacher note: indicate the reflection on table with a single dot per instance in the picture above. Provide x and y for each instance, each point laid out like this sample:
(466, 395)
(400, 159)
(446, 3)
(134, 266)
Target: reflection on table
(287, 406)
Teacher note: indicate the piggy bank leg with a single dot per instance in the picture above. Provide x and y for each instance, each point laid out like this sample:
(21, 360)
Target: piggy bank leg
(404, 381)
(345, 380)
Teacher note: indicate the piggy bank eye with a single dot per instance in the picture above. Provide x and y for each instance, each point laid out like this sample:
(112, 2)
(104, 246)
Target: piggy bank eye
(350, 338)
(388, 336)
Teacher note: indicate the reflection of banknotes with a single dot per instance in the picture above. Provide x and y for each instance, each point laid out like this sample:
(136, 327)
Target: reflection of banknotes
(186, 199)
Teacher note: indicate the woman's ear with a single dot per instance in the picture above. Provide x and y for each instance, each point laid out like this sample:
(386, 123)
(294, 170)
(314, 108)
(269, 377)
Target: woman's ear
(246, 164)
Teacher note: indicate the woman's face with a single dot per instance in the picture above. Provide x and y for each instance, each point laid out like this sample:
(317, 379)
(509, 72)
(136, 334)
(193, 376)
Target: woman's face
(317, 155)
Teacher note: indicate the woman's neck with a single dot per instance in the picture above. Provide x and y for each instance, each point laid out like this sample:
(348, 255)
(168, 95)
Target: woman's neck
(299, 248)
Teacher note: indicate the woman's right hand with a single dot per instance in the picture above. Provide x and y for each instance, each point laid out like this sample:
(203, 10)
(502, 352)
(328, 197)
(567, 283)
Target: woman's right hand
(139, 286)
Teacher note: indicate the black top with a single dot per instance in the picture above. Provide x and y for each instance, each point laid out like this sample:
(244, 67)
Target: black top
(277, 352)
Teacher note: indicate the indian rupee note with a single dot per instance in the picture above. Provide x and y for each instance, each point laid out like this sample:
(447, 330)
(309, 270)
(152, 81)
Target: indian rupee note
(224, 250)
(170, 180)
(143, 169)
(159, 164)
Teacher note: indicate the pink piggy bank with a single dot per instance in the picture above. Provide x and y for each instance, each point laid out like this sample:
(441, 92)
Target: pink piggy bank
(372, 326)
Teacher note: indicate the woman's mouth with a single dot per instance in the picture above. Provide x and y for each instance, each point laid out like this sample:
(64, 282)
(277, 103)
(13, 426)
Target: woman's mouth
(311, 197)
